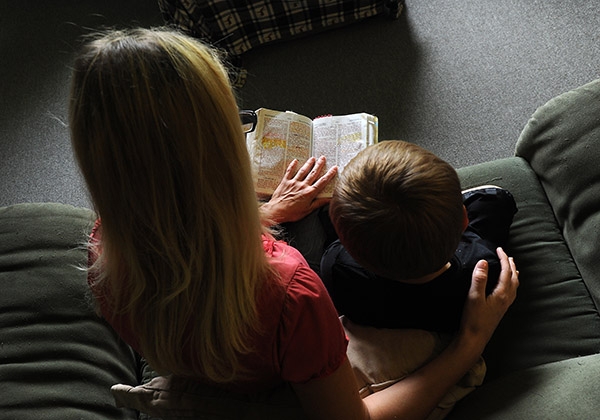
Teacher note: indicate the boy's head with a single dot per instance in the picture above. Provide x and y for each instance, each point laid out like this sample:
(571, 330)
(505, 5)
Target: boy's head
(397, 209)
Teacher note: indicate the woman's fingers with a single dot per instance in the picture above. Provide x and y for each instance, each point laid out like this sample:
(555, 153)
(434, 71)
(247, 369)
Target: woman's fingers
(316, 170)
(305, 169)
(290, 172)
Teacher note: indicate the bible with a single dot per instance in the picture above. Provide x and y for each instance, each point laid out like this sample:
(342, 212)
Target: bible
(281, 137)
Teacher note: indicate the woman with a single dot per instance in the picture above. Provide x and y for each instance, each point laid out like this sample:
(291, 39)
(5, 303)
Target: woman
(181, 264)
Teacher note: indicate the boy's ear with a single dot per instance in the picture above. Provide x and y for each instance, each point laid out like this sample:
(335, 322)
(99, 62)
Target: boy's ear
(465, 218)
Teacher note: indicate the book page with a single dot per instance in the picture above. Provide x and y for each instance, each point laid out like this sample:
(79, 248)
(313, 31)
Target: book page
(279, 138)
(340, 138)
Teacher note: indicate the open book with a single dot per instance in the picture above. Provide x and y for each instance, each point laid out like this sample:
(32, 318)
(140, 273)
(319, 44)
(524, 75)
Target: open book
(280, 137)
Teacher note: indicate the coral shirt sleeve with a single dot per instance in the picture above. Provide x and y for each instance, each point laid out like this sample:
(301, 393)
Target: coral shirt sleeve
(312, 340)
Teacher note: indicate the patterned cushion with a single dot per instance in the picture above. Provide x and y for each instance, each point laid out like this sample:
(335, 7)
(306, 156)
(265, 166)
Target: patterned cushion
(236, 27)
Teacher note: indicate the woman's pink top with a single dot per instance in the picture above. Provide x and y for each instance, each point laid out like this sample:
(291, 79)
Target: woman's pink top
(301, 335)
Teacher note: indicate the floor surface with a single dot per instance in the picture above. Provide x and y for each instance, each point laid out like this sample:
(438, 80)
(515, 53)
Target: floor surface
(459, 78)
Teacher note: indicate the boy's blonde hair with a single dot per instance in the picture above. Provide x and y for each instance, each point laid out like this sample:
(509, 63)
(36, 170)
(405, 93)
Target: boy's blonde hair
(156, 132)
(397, 209)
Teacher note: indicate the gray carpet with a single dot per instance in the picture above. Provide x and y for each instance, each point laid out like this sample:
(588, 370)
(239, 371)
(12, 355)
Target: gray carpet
(459, 78)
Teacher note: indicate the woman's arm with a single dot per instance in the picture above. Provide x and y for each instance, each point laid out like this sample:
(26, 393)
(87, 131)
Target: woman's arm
(336, 396)
(296, 195)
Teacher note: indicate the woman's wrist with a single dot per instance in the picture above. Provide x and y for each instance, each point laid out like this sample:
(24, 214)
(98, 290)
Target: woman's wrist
(269, 215)
(469, 346)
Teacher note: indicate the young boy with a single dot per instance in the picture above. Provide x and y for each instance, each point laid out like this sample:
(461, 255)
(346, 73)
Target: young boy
(409, 238)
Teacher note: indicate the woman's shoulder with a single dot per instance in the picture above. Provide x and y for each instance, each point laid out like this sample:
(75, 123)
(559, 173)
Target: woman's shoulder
(297, 285)
(286, 261)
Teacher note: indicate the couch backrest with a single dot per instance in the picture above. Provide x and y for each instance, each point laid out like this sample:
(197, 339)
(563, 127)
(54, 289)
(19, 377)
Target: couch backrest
(561, 142)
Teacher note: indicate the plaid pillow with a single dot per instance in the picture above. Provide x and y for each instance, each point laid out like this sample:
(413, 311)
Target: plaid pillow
(236, 27)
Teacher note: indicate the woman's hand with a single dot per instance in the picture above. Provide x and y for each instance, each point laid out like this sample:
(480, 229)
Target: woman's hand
(296, 195)
(482, 313)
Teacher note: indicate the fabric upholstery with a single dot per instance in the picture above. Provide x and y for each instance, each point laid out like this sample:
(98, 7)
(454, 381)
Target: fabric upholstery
(567, 389)
(57, 358)
(562, 144)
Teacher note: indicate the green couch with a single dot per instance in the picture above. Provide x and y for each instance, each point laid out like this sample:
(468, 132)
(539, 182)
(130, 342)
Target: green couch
(58, 360)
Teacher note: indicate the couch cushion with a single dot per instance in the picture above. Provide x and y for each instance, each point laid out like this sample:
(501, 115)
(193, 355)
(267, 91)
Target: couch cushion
(58, 360)
(563, 390)
(553, 317)
(561, 141)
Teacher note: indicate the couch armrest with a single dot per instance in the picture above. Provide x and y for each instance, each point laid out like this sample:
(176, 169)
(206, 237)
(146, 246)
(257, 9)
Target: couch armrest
(58, 360)
(561, 142)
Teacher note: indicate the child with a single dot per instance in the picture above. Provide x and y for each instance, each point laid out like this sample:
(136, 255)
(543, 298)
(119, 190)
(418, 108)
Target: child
(408, 239)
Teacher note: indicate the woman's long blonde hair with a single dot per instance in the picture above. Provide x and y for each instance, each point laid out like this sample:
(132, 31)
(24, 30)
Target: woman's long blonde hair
(156, 132)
